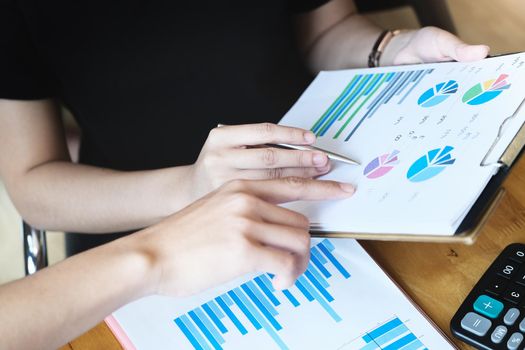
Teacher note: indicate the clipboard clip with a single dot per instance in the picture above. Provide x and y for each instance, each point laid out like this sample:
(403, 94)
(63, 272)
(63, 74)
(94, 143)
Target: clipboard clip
(513, 149)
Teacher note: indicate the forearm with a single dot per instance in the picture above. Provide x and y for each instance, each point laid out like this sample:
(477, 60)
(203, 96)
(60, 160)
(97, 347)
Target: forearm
(334, 36)
(347, 44)
(51, 192)
(70, 197)
(46, 310)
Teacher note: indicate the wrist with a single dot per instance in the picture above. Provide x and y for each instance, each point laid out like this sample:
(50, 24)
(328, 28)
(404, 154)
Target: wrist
(396, 45)
(177, 189)
(200, 183)
(142, 263)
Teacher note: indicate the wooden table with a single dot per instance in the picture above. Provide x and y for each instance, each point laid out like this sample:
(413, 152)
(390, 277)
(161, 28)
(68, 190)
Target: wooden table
(437, 276)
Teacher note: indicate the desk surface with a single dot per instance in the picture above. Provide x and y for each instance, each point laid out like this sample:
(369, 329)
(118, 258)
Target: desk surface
(437, 276)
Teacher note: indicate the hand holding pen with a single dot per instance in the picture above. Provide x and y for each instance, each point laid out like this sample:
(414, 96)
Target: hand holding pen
(331, 155)
(235, 152)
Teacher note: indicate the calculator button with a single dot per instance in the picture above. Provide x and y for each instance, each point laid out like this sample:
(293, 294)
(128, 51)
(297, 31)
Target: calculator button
(476, 324)
(517, 254)
(522, 325)
(488, 306)
(520, 276)
(511, 316)
(514, 341)
(499, 333)
(498, 285)
(508, 269)
(514, 293)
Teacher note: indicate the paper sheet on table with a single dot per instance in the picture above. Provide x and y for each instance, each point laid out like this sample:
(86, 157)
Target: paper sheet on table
(343, 301)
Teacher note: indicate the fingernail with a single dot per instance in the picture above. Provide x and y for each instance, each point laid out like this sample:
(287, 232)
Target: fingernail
(309, 137)
(323, 170)
(347, 187)
(320, 159)
(276, 283)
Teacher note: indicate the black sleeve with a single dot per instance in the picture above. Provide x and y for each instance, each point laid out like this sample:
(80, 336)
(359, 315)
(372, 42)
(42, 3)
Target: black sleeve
(23, 76)
(299, 6)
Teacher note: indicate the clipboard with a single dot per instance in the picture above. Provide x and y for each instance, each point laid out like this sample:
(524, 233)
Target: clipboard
(473, 223)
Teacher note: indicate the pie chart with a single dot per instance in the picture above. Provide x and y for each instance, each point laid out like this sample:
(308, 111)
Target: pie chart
(381, 165)
(438, 94)
(484, 92)
(431, 164)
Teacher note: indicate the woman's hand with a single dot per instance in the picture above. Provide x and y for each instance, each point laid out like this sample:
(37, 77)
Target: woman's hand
(238, 152)
(430, 44)
(228, 233)
(232, 231)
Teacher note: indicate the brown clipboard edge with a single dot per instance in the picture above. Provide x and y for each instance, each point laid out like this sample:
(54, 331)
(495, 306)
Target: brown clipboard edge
(513, 151)
(467, 237)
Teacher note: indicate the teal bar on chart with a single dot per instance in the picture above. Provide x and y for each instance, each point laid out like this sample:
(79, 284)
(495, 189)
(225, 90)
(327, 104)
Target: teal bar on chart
(254, 305)
(363, 96)
(392, 335)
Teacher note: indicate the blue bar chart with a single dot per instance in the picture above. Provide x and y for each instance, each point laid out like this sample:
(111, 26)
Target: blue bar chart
(253, 306)
(364, 95)
(391, 335)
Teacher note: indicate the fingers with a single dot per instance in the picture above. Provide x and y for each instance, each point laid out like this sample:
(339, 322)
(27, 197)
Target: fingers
(262, 158)
(286, 266)
(453, 47)
(278, 173)
(259, 134)
(292, 239)
(431, 44)
(294, 188)
(273, 214)
(467, 53)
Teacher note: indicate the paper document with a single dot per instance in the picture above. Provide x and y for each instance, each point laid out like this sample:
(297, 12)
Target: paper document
(419, 132)
(343, 301)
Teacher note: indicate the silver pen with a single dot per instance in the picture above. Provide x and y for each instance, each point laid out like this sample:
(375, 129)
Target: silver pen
(331, 155)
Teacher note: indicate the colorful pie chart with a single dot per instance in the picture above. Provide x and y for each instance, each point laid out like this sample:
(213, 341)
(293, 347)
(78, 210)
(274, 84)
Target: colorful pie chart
(381, 165)
(431, 164)
(438, 93)
(484, 92)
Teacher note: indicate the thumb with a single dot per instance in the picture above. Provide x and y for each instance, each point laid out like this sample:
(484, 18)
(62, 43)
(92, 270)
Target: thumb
(453, 47)
(466, 53)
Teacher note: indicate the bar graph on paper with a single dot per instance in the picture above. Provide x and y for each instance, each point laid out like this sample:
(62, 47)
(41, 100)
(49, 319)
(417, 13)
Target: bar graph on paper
(364, 95)
(343, 301)
(391, 335)
(254, 305)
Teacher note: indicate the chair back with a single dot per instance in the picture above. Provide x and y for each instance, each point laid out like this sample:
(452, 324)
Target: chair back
(35, 248)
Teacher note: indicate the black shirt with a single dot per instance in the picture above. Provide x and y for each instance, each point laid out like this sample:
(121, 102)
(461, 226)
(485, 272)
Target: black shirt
(147, 80)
